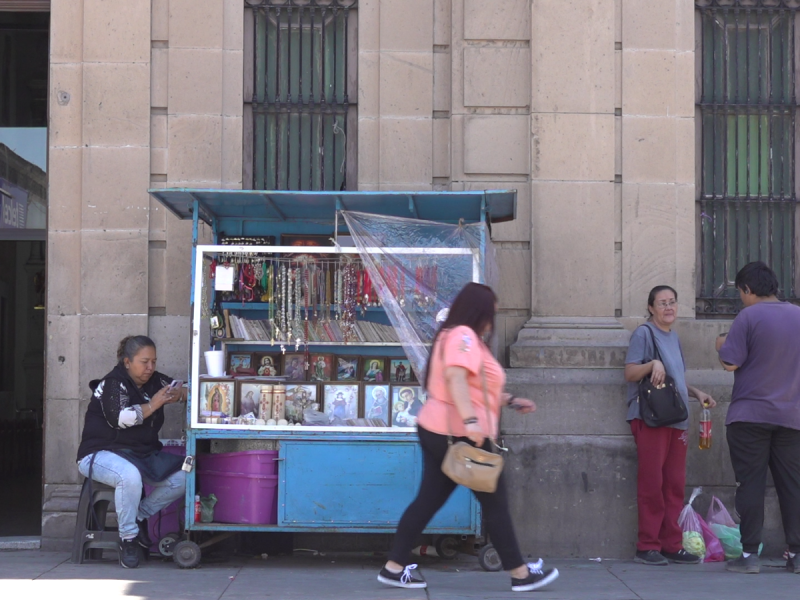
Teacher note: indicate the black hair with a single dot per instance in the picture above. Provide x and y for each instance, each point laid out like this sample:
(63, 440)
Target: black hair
(130, 346)
(651, 298)
(474, 307)
(758, 278)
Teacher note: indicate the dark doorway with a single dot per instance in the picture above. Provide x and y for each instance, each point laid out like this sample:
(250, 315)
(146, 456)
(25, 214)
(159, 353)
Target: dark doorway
(24, 51)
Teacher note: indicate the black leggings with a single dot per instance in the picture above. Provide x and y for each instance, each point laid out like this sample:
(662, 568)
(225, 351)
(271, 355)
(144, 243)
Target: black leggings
(434, 491)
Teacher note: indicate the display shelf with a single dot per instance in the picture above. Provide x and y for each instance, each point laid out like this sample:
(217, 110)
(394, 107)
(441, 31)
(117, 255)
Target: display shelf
(228, 341)
(238, 305)
(331, 434)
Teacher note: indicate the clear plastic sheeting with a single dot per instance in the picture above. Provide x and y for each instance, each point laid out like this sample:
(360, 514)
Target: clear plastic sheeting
(417, 268)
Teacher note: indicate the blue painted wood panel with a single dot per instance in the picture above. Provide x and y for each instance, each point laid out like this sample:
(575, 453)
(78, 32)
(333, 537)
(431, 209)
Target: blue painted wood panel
(359, 484)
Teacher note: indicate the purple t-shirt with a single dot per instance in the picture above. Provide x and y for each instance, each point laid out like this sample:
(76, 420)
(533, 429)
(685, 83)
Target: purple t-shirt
(763, 343)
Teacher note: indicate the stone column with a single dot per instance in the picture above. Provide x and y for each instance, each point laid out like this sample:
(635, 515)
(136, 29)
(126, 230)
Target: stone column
(98, 221)
(575, 224)
(658, 152)
(395, 97)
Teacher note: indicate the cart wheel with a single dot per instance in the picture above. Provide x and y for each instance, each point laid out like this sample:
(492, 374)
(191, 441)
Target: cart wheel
(186, 554)
(166, 545)
(489, 559)
(447, 547)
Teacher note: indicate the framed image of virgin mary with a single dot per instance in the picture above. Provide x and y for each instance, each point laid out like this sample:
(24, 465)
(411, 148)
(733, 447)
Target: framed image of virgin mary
(216, 401)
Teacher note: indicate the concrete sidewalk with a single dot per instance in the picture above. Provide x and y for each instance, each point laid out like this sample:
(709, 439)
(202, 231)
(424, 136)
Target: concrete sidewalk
(34, 575)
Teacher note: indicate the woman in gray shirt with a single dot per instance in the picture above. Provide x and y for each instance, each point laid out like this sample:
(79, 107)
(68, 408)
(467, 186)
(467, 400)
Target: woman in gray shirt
(661, 450)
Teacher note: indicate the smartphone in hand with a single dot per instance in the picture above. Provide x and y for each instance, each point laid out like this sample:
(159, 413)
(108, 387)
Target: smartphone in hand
(176, 384)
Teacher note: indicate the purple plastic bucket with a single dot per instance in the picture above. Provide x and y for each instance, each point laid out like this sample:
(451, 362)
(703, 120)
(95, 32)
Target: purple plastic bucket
(241, 497)
(249, 462)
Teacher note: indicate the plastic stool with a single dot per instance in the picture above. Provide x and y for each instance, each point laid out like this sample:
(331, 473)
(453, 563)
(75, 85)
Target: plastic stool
(92, 537)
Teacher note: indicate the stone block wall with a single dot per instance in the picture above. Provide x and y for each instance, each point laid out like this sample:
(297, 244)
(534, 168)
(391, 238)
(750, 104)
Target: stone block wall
(585, 107)
(572, 464)
(143, 93)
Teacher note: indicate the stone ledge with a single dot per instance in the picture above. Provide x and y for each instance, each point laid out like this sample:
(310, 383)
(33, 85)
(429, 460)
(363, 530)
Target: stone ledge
(20, 543)
(570, 342)
(61, 497)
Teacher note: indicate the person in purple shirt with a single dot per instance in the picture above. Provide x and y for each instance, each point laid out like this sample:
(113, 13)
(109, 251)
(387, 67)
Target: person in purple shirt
(763, 423)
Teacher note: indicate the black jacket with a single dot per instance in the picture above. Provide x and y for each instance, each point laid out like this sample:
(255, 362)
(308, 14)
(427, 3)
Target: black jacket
(116, 391)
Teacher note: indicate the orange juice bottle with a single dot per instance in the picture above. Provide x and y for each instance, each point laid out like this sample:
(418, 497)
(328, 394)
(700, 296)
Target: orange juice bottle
(705, 429)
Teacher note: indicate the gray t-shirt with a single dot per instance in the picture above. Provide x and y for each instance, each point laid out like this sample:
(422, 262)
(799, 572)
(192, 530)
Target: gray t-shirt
(641, 351)
(764, 343)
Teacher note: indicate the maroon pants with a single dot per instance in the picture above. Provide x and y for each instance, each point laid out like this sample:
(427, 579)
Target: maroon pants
(661, 484)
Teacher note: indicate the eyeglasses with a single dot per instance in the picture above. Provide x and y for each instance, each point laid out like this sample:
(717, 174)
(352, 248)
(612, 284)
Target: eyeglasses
(664, 304)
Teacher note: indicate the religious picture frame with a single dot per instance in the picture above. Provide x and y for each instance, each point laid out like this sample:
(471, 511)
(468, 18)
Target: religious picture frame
(294, 366)
(249, 398)
(266, 364)
(306, 240)
(240, 362)
(374, 369)
(320, 367)
(376, 404)
(340, 402)
(299, 397)
(407, 400)
(400, 371)
(302, 240)
(217, 397)
(347, 368)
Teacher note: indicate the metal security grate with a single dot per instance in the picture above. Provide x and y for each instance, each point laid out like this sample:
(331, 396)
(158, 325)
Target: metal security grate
(300, 98)
(747, 202)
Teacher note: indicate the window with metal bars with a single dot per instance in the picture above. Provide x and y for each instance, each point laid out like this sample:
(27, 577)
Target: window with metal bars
(747, 191)
(300, 94)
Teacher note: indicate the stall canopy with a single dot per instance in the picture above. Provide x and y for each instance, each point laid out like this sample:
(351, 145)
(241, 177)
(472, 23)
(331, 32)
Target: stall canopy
(225, 210)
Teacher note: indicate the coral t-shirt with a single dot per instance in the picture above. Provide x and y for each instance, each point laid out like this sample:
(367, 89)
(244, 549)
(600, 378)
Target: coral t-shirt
(461, 347)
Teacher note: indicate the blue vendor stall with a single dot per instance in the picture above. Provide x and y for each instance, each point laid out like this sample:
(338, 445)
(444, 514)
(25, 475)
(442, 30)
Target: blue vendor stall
(323, 304)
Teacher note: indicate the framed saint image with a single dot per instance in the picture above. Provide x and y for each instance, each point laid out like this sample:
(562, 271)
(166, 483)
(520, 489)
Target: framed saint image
(407, 400)
(400, 370)
(321, 367)
(266, 364)
(376, 402)
(250, 398)
(340, 402)
(294, 367)
(374, 369)
(216, 400)
(347, 368)
(302, 239)
(299, 397)
(240, 362)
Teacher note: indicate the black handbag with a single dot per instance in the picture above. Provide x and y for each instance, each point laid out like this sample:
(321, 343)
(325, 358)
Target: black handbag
(661, 405)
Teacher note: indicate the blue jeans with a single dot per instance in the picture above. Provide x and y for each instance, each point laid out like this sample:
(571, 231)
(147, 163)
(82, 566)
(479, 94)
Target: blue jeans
(113, 470)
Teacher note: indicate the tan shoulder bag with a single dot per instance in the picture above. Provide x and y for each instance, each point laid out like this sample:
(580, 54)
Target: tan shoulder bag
(469, 466)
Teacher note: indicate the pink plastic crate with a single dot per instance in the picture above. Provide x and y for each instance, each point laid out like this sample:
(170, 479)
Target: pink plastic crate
(241, 498)
(249, 462)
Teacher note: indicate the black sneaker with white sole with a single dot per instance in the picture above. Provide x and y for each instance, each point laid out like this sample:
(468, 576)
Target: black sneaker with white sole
(538, 577)
(129, 553)
(404, 579)
(682, 557)
(650, 557)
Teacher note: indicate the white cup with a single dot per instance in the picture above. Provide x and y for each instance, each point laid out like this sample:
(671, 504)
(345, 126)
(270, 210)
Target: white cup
(215, 363)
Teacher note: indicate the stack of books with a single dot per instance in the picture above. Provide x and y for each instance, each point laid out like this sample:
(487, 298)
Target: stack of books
(322, 331)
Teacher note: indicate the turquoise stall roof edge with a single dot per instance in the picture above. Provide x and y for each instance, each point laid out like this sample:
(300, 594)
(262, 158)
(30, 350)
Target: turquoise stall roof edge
(321, 207)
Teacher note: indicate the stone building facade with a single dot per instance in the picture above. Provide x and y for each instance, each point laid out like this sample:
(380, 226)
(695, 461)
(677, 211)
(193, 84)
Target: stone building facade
(586, 107)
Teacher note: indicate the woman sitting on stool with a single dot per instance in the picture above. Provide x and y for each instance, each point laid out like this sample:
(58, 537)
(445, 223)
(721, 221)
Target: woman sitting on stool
(120, 446)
